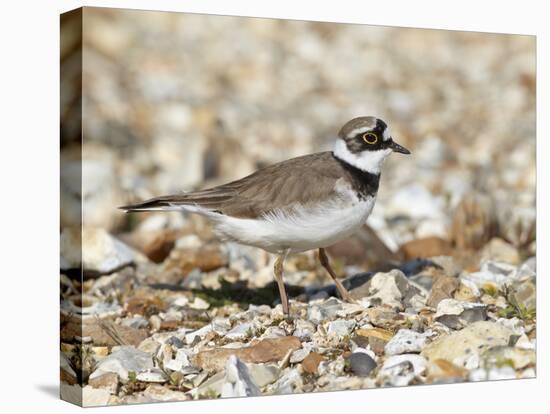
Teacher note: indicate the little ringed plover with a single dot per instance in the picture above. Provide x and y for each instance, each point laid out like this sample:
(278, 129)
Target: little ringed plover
(304, 203)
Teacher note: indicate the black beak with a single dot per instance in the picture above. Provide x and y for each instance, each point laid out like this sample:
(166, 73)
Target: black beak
(398, 148)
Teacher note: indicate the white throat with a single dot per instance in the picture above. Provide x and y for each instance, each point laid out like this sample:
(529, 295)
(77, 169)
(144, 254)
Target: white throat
(369, 161)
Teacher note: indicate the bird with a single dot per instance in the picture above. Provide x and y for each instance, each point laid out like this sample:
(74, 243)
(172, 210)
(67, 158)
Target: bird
(304, 203)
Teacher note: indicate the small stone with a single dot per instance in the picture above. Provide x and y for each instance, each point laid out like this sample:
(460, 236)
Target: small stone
(172, 316)
(304, 330)
(375, 344)
(383, 334)
(456, 314)
(181, 302)
(100, 252)
(425, 278)
(340, 328)
(137, 322)
(266, 350)
(326, 310)
(500, 251)
(160, 246)
(382, 316)
(175, 342)
(100, 351)
(243, 331)
(441, 370)
(199, 303)
(525, 294)
(255, 311)
(406, 341)
(273, 332)
(448, 265)
(212, 386)
(443, 288)
(171, 321)
(350, 309)
(516, 325)
(334, 367)
(299, 355)
(464, 347)
(237, 380)
(361, 364)
(156, 323)
(390, 289)
(263, 374)
(109, 381)
(290, 382)
(483, 278)
(364, 249)
(149, 345)
(400, 370)
(181, 261)
(528, 269)
(218, 325)
(311, 362)
(123, 360)
(144, 305)
(467, 291)
(152, 375)
(499, 268)
(181, 360)
(315, 314)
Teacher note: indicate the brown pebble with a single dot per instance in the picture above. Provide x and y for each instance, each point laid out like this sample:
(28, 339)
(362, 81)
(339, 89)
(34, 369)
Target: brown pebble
(443, 288)
(161, 246)
(266, 350)
(311, 362)
(443, 369)
(424, 248)
(109, 380)
(375, 332)
(182, 261)
(169, 325)
(145, 306)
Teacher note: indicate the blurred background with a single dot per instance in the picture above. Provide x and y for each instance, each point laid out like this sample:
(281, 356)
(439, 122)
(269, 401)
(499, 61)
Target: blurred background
(175, 102)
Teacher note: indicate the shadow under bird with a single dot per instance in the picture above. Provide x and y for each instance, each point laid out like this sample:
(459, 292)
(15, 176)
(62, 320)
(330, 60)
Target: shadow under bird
(304, 203)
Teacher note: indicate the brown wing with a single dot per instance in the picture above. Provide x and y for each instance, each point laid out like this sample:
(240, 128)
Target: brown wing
(303, 180)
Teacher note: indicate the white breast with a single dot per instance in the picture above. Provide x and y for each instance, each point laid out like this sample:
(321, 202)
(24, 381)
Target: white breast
(299, 229)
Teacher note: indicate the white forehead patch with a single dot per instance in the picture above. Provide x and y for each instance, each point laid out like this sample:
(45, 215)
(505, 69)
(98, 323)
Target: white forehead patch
(356, 131)
(386, 134)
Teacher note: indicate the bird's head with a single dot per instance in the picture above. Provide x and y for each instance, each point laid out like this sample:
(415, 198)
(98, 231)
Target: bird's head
(365, 142)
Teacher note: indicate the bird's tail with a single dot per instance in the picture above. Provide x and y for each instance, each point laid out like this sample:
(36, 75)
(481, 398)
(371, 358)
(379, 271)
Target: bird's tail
(164, 203)
(202, 202)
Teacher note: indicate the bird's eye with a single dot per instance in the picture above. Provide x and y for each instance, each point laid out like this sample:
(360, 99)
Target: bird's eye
(370, 138)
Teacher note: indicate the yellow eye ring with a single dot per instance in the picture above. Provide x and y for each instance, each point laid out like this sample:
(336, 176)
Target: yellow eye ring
(370, 138)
